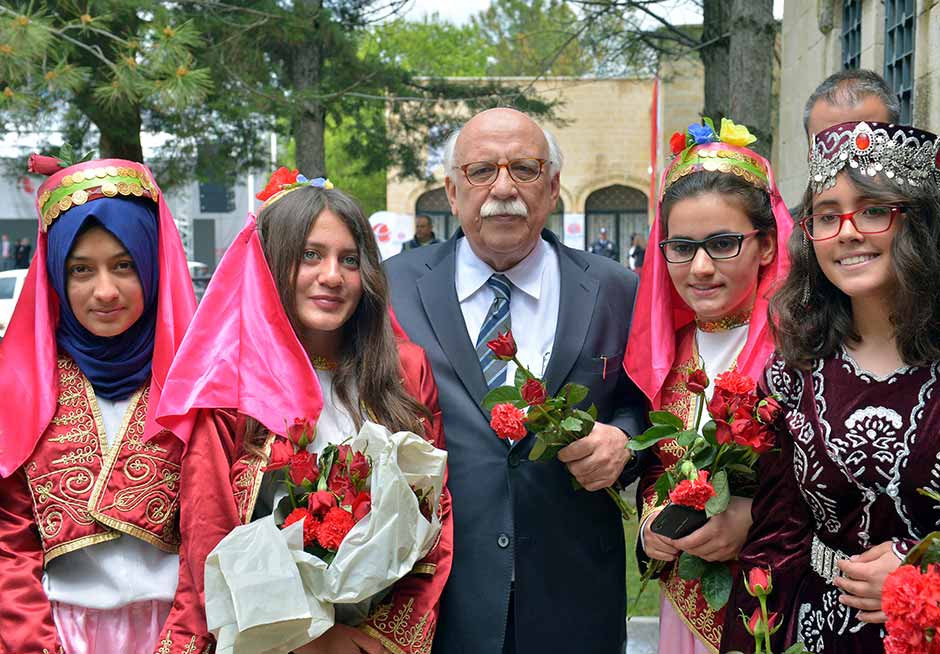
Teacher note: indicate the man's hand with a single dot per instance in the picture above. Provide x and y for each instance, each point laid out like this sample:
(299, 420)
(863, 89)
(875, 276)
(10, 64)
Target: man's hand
(723, 536)
(340, 639)
(597, 460)
(656, 546)
(864, 577)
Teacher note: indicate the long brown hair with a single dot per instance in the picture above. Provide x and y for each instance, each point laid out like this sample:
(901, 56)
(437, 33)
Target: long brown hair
(369, 363)
(818, 327)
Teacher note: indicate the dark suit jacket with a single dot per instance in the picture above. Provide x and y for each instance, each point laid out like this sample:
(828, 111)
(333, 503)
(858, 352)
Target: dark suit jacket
(566, 546)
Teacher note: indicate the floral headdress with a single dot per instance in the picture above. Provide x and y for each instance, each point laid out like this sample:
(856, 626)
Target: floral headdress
(904, 154)
(701, 148)
(284, 180)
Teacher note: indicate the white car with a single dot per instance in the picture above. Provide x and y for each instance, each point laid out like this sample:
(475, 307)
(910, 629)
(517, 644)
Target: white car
(11, 283)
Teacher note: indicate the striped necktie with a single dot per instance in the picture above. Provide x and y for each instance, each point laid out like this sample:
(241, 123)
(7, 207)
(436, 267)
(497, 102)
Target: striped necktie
(497, 322)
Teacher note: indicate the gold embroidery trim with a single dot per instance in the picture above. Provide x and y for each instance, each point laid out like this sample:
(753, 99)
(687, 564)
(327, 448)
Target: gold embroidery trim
(424, 569)
(166, 644)
(77, 544)
(255, 481)
(191, 647)
(684, 595)
(397, 631)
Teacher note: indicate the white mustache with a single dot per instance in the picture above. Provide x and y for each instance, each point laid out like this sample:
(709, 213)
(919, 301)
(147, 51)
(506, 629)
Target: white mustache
(504, 208)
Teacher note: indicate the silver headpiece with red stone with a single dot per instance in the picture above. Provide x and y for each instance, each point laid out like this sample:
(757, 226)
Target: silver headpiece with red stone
(904, 154)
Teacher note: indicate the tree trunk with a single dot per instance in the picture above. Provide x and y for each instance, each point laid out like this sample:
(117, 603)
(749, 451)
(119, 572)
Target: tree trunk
(120, 137)
(716, 23)
(751, 59)
(305, 68)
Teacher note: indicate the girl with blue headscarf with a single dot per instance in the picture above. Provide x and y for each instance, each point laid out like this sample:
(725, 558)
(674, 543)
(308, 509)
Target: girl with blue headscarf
(101, 535)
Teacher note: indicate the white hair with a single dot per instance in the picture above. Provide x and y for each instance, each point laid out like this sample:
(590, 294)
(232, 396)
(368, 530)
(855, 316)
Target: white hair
(556, 159)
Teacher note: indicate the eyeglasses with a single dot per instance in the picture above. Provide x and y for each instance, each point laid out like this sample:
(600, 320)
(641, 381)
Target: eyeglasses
(718, 247)
(868, 220)
(484, 173)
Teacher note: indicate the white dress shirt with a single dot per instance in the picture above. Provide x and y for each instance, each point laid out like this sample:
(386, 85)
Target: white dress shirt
(117, 572)
(533, 306)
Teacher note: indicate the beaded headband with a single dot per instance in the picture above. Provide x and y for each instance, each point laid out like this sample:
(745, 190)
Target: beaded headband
(284, 180)
(905, 154)
(75, 185)
(700, 148)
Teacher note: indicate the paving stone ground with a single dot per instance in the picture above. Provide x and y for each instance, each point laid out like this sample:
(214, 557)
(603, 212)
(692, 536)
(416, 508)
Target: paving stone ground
(643, 635)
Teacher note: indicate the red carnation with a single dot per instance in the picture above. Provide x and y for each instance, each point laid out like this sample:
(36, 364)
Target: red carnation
(747, 432)
(503, 346)
(311, 524)
(697, 381)
(735, 383)
(281, 177)
(320, 502)
(533, 392)
(677, 142)
(508, 421)
(336, 524)
(693, 492)
(303, 465)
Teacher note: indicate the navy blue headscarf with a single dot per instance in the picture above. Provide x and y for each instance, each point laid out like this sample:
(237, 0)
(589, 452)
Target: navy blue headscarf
(119, 365)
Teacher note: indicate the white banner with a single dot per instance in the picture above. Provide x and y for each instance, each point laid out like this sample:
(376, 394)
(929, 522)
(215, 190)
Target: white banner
(391, 230)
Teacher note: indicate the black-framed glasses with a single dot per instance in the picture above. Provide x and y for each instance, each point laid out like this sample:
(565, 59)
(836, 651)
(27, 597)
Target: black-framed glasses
(867, 220)
(522, 171)
(718, 247)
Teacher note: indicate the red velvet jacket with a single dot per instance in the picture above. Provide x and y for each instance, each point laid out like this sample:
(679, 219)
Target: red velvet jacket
(75, 491)
(406, 621)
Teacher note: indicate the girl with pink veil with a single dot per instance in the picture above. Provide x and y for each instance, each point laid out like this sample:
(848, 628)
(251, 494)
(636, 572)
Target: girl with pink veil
(719, 237)
(97, 522)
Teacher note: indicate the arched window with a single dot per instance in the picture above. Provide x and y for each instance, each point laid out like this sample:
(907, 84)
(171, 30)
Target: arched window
(434, 204)
(620, 209)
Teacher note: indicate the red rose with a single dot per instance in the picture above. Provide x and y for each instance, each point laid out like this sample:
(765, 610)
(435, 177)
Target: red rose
(723, 432)
(718, 406)
(697, 381)
(359, 467)
(507, 421)
(503, 346)
(336, 524)
(301, 428)
(693, 492)
(756, 627)
(311, 524)
(747, 432)
(361, 505)
(303, 465)
(343, 455)
(320, 502)
(735, 383)
(677, 142)
(533, 392)
(281, 452)
(281, 177)
(768, 410)
(339, 483)
(759, 582)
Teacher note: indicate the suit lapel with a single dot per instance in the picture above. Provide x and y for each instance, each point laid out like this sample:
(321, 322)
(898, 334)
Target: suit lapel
(439, 298)
(575, 307)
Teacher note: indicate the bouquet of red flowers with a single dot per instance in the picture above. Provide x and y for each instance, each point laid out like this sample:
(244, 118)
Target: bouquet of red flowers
(329, 496)
(353, 521)
(719, 461)
(911, 600)
(555, 421)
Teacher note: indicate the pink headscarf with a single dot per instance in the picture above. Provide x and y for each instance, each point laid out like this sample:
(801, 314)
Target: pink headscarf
(241, 352)
(661, 312)
(28, 353)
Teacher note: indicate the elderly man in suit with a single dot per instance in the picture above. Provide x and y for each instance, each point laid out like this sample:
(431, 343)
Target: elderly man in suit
(538, 566)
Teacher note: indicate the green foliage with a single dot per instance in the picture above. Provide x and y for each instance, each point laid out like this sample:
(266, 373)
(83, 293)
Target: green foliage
(691, 566)
(719, 502)
(431, 47)
(502, 394)
(716, 585)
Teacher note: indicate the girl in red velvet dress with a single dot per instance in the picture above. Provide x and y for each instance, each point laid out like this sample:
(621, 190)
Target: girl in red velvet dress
(857, 371)
(295, 323)
(720, 227)
(96, 524)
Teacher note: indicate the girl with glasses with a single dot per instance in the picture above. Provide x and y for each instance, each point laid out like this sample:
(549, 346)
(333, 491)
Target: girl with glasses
(702, 304)
(857, 372)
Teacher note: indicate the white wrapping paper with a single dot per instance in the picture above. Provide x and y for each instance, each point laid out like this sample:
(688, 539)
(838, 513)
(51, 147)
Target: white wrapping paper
(265, 595)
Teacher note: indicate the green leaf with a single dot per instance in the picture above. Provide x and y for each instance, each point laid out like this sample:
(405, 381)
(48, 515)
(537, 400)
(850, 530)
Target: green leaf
(796, 648)
(719, 503)
(575, 484)
(571, 424)
(691, 566)
(666, 418)
(716, 585)
(919, 551)
(574, 393)
(593, 411)
(685, 438)
(703, 458)
(663, 486)
(521, 378)
(710, 432)
(538, 449)
(500, 395)
(651, 436)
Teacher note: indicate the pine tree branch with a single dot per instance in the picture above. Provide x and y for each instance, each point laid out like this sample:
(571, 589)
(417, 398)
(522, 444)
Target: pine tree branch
(94, 50)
